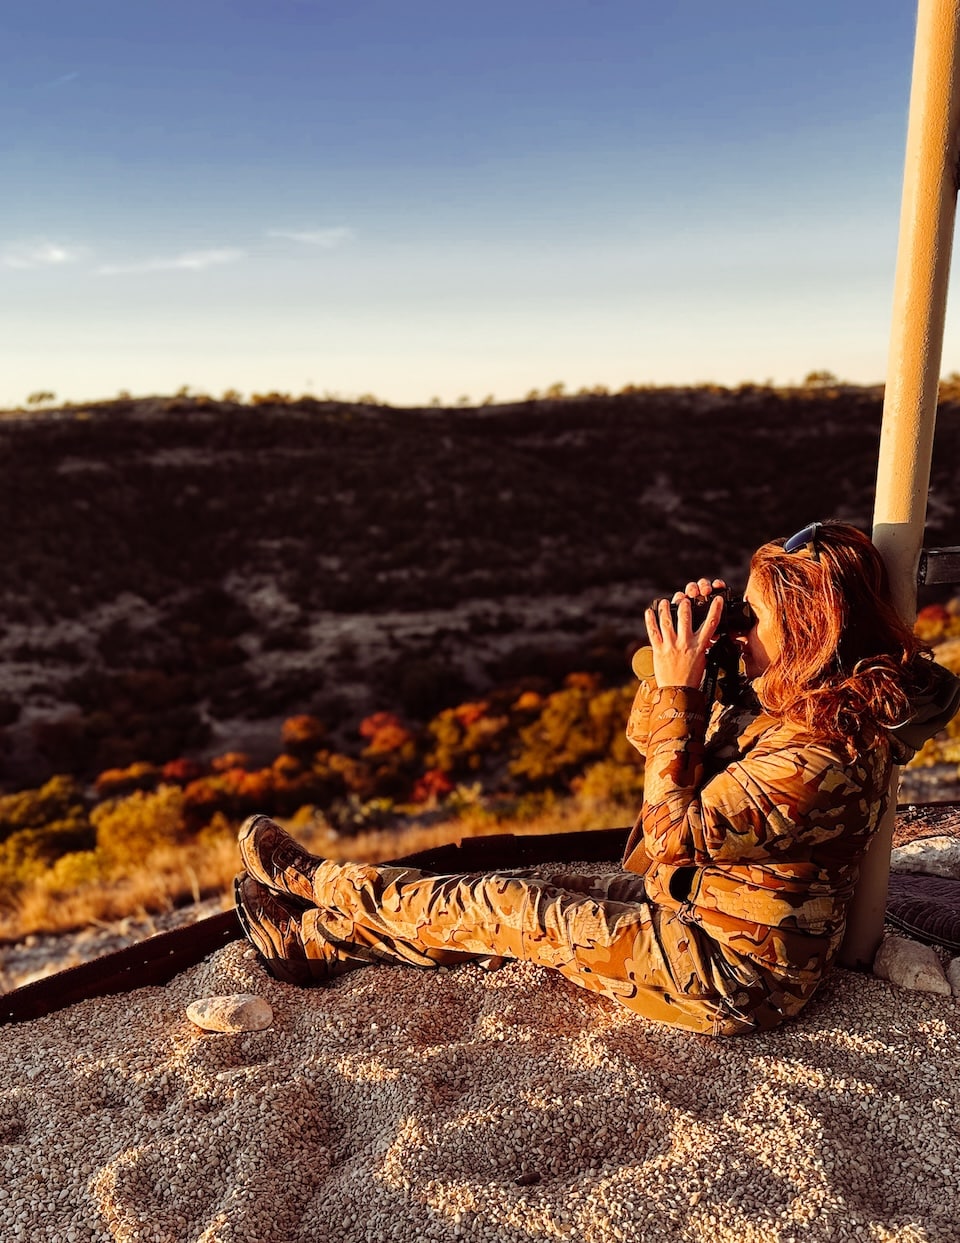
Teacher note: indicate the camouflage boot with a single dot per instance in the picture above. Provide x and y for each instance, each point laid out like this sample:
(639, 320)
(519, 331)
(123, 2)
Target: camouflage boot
(272, 857)
(272, 926)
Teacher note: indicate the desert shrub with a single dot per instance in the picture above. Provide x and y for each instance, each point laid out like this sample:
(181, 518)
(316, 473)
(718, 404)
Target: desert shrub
(88, 743)
(59, 800)
(575, 727)
(463, 738)
(219, 830)
(287, 638)
(355, 775)
(128, 829)
(385, 734)
(302, 735)
(936, 622)
(288, 767)
(181, 771)
(353, 814)
(234, 792)
(431, 787)
(948, 654)
(283, 692)
(231, 759)
(270, 399)
(117, 781)
(28, 853)
(611, 782)
(528, 701)
(211, 610)
(75, 870)
(201, 799)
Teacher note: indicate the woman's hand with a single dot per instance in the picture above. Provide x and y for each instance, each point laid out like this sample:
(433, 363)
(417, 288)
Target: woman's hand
(680, 652)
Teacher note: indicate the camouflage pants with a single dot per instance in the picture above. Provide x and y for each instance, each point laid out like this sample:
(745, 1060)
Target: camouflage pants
(600, 932)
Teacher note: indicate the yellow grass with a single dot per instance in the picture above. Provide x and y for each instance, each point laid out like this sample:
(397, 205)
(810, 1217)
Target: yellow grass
(173, 876)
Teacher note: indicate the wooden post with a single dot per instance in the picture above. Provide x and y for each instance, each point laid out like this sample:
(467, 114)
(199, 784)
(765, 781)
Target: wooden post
(927, 216)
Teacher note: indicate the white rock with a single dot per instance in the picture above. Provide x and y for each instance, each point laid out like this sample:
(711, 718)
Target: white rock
(934, 856)
(240, 1012)
(953, 975)
(911, 965)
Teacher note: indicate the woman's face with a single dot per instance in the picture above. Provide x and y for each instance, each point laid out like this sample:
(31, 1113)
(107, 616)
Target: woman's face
(761, 646)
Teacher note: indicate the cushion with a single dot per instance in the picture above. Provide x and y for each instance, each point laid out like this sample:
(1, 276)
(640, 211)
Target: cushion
(926, 907)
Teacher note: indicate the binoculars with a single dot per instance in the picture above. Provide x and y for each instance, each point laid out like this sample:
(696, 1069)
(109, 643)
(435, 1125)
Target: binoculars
(737, 618)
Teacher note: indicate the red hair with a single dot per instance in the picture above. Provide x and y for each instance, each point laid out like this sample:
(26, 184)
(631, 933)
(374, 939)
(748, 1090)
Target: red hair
(847, 661)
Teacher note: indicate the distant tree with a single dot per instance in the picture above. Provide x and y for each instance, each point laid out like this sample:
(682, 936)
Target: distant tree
(820, 379)
(533, 395)
(183, 391)
(124, 394)
(555, 390)
(488, 400)
(435, 402)
(40, 398)
(270, 399)
(368, 399)
(949, 387)
(463, 400)
(233, 395)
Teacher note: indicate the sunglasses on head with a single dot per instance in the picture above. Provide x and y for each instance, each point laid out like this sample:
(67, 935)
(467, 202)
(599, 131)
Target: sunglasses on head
(805, 541)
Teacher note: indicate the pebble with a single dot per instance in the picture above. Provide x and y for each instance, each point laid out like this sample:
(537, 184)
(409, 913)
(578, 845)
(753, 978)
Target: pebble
(911, 965)
(238, 1012)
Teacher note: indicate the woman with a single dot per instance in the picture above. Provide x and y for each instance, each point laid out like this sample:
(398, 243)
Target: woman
(731, 901)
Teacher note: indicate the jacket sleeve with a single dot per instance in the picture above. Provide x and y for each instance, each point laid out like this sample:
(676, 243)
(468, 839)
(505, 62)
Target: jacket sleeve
(638, 722)
(761, 807)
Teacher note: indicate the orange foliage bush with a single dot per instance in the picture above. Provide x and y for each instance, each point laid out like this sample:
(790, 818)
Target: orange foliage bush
(116, 781)
(529, 701)
(432, 786)
(286, 767)
(232, 759)
(181, 771)
(938, 622)
(302, 734)
(465, 738)
(385, 732)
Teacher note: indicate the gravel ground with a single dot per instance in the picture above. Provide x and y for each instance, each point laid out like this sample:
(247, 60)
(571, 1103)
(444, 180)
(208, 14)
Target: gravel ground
(410, 1106)
(40, 955)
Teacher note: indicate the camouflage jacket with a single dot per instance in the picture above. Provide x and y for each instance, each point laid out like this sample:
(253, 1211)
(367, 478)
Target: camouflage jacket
(749, 830)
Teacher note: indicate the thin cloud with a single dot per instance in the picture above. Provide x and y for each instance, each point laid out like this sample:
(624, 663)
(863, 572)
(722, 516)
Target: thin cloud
(191, 261)
(39, 253)
(61, 81)
(327, 239)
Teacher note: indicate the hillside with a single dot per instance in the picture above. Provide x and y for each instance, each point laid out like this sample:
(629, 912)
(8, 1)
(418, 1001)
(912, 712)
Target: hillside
(182, 573)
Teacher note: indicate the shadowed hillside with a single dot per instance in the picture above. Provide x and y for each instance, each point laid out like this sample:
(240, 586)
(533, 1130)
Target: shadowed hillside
(180, 574)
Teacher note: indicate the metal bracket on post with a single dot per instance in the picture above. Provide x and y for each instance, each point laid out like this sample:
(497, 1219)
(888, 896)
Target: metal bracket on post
(939, 565)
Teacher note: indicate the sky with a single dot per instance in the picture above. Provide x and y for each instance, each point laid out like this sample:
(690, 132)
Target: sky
(435, 198)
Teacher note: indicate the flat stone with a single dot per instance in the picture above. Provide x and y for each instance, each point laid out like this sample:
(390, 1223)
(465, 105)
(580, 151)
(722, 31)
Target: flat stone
(911, 965)
(240, 1012)
(953, 975)
(934, 856)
